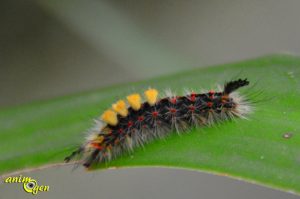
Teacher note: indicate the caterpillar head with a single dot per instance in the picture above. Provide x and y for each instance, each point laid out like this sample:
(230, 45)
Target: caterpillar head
(239, 105)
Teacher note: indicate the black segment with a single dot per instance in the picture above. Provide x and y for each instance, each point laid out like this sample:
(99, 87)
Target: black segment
(234, 85)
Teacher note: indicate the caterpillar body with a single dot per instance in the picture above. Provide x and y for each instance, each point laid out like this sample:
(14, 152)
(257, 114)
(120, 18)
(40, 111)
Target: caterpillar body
(123, 127)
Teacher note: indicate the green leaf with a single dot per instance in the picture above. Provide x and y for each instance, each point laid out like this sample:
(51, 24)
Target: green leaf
(45, 132)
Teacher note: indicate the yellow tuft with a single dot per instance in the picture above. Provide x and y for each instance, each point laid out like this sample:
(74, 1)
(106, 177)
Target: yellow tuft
(151, 96)
(120, 107)
(135, 101)
(110, 117)
(99, 139)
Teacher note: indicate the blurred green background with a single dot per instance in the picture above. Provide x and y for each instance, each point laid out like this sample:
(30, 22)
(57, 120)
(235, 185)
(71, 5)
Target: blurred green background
(52, 48)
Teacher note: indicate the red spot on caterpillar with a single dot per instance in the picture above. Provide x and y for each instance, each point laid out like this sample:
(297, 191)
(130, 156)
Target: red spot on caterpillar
(192, 108)
(129, 124)
(224, 99)
(96, 146)
(193, 97)
(173, 100)
(154, 114)
(120, 130)
(209, 104)
(211, 94)
(144, 126)
(172, 110)
(141, 118)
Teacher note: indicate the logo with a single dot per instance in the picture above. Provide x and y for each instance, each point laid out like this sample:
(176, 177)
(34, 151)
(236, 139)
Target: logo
(30, 185)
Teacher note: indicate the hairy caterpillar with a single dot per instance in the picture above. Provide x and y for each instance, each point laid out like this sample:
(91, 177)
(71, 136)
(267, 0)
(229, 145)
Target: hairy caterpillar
(123, 127)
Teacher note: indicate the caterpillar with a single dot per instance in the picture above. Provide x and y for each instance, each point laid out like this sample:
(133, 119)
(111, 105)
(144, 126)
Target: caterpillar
(123, 127)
